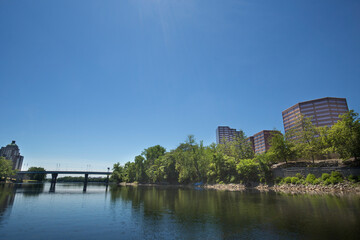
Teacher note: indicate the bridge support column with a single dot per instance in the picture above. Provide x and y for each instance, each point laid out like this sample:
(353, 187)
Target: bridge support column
(85, 182)
(53, 182)
(107, 182)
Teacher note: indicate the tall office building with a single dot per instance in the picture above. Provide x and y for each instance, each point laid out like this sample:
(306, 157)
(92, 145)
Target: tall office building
(323, 111)
(12, 152)
(226, 134)
(261, 141)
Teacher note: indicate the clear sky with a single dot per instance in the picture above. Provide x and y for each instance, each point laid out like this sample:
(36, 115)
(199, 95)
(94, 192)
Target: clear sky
(86, 84)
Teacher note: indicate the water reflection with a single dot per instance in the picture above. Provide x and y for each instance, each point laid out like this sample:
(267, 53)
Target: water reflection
(243, 214)
(7, 196)
(172, 212)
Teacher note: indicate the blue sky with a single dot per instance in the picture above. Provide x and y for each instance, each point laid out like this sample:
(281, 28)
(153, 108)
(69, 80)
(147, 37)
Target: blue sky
(86, 84)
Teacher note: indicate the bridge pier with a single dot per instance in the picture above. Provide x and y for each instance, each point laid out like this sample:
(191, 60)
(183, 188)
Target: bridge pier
(53, 182)
(107, 182)
(85, 182)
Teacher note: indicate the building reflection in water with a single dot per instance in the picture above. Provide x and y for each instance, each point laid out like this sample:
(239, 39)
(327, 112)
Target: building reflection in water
(7, 197)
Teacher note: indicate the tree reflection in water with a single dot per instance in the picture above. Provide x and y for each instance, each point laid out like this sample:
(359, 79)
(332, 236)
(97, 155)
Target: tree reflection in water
(248, 213)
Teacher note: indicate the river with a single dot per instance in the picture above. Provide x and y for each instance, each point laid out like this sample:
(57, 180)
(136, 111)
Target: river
(30, 211)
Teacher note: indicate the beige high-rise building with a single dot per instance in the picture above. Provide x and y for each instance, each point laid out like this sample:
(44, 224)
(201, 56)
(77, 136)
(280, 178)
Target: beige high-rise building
(322, 111)
(12, 152)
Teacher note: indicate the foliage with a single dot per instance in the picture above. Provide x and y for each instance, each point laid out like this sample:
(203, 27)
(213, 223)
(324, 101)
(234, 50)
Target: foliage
(37, 176)
(353, 178)
(310, 178)
(305, 137)
(140, 175)
(287, 180)
(278, 180)
(299, 175)
(317, 181)
(152, 153)
(344, 136)
(248, 170)
(117, 174)
(325, 176)
(294, 180)
(6, 168)
(281, 148)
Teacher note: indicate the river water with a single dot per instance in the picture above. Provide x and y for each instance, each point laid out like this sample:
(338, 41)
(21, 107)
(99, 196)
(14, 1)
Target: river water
(30, 211)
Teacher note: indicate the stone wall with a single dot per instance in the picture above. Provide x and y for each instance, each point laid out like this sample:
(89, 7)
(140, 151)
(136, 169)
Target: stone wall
(317, 171)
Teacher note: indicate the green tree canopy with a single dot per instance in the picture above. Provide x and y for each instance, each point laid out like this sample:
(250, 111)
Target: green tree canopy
(281, 148)
(6, 168)
(344, 136)
(153, 153)
(37, 176)
(307, 138)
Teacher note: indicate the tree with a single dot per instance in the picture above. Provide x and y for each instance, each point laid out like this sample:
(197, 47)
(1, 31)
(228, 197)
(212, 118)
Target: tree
(281, 148)
(240, 148)
(248, 170)
(6, 168)
(140, 174)
(129, 172)
(37, 176)
(306, 137)
(152, 153)
(344, 136)
(192, 160)
(117, 174)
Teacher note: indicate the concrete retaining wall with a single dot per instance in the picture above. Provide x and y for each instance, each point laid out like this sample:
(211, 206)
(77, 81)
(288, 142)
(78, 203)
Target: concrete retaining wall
(317, 171)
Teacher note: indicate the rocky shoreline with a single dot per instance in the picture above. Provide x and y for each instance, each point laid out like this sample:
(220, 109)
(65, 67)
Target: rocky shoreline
(227, 187)
(341, 188)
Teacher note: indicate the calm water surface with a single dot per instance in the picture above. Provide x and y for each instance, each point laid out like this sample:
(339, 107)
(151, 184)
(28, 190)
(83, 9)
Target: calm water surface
(29, 211)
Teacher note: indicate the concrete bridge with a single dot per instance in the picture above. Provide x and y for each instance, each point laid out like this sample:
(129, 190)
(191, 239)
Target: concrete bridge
(54, 175)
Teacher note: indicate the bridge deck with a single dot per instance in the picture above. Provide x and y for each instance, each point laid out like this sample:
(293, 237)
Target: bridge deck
(66, 172)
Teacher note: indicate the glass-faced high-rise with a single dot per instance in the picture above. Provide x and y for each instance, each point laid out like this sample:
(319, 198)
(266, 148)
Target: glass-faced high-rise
(323, 111)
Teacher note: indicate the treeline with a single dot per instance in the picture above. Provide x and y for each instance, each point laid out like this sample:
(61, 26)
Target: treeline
(192, 162)
(235, 162)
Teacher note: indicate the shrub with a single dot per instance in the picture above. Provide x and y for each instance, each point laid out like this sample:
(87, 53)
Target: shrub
(325, 176)
(294, 180)
(287, 180)
(336, 174)
(327, 181)
(299, 176)
(317, 181)
(278, 180)
(353, 178)
(310, 178)
(262, 180)
(335, 178)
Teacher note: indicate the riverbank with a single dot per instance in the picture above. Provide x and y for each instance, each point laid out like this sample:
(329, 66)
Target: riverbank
(340, 188)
